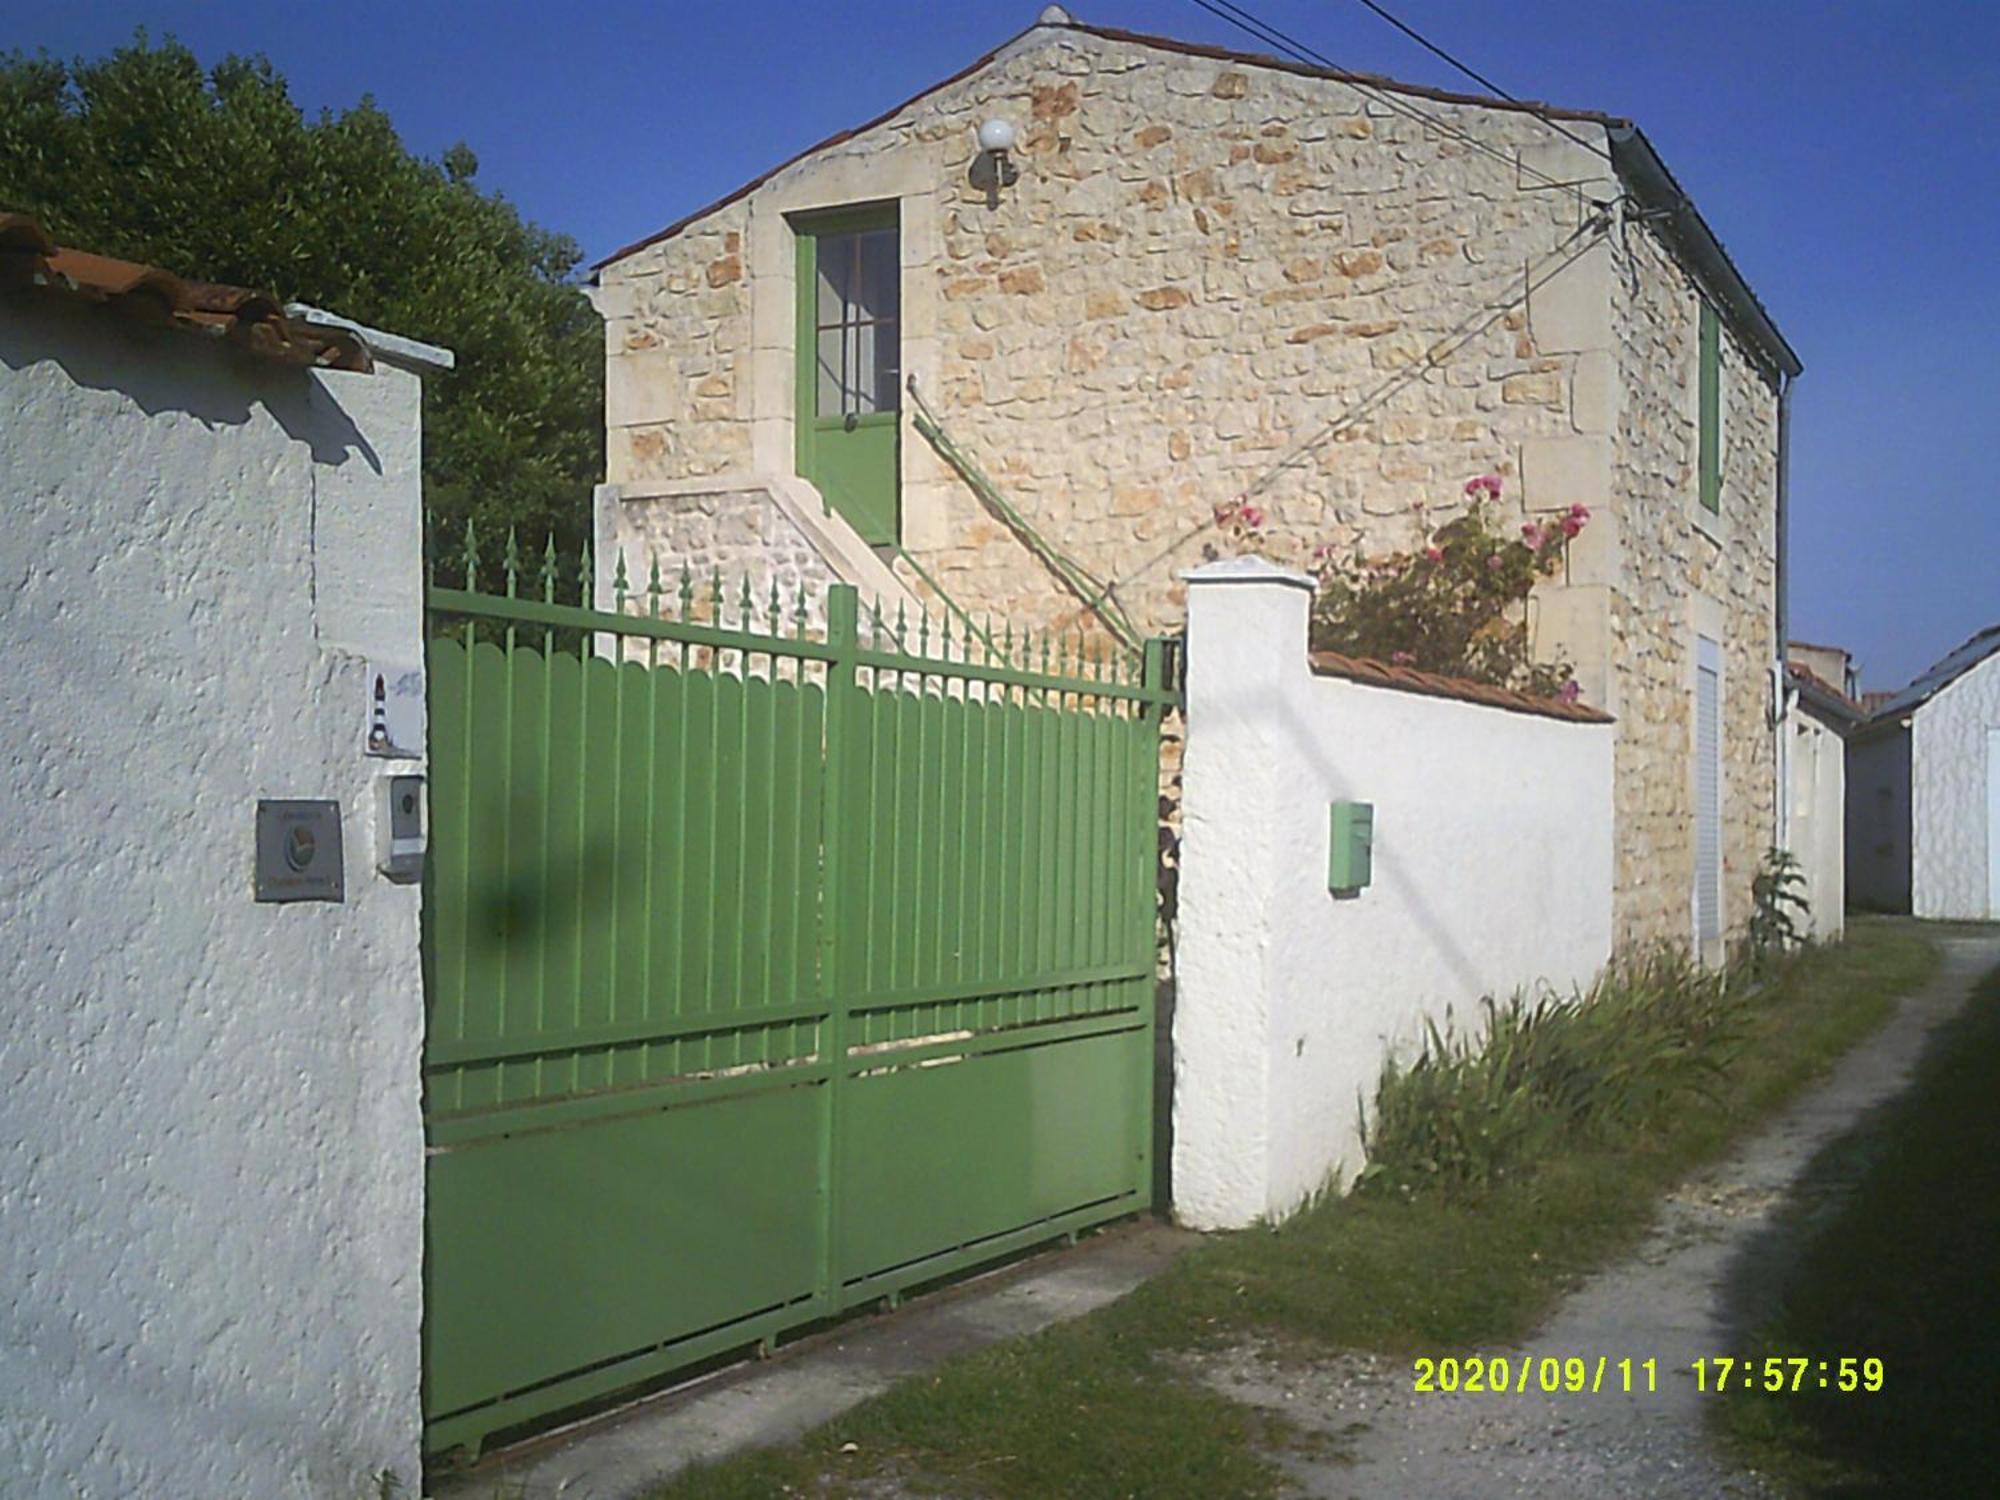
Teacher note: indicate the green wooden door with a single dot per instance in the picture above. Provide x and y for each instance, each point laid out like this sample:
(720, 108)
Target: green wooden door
(850, 364)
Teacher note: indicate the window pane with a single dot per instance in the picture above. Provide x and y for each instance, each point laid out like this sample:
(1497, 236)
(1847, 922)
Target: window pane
(861, 369)
(887, 362)
(879, 290)
(830, 341)
(835, 255)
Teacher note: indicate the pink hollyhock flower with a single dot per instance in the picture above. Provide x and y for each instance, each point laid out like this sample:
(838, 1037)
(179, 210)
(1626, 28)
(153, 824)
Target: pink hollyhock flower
(1571, 525)
(1434, 554)
(1580, 512)
(1252, 517)
(1532, 536)
(1488, 484)
(1402, 659)
(1570, 691)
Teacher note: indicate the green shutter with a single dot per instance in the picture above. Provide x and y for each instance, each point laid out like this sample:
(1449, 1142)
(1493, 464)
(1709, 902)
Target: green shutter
(1711, 410)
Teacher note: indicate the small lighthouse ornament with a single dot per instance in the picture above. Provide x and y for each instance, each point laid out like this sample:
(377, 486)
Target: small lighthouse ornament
(378, 723)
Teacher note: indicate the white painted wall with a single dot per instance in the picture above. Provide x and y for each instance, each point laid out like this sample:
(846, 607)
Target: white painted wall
(211, 1150)
(1948, 796)
(1816, 767)
(1492, 871)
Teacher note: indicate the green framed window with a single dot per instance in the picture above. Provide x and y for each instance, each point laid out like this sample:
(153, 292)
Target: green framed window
(858, 288)
(1711, 410)
(849, 363)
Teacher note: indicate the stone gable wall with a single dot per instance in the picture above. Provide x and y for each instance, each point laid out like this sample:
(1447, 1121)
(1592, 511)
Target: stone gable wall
(1683, 573)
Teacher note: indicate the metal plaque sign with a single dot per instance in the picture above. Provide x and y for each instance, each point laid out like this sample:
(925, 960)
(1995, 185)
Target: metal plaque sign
(298, 851)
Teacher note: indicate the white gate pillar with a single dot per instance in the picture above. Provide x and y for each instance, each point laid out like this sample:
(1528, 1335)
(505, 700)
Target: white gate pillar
(1247, 621)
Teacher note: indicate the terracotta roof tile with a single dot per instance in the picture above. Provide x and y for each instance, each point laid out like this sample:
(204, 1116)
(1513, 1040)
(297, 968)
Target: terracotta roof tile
(1824, 694)
(253, 320)
(1409, 680)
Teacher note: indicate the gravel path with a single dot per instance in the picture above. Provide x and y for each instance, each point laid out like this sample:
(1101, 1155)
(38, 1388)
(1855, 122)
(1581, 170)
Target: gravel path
(1687, 1293)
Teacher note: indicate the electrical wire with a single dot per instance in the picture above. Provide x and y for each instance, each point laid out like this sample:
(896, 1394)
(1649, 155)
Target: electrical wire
(1441, 349)
(1480, 78)
(1298, 51)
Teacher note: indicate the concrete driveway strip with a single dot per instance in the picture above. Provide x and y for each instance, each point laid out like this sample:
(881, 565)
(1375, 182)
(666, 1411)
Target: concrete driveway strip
(1688, 1293)
(625, 1453)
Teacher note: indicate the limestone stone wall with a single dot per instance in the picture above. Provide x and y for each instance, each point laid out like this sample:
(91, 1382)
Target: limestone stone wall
(1683, 573)
(708, 527)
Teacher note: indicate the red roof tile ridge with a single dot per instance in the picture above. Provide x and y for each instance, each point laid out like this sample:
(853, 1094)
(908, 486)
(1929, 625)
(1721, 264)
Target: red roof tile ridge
(254, 320)
(1368, 670)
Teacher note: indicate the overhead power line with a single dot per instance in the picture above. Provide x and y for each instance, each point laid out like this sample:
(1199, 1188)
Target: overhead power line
(1439, 352)
(1243, 20)
(1480, 78)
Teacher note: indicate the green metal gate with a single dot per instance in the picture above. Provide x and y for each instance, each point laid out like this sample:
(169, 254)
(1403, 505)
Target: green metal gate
(770, 971)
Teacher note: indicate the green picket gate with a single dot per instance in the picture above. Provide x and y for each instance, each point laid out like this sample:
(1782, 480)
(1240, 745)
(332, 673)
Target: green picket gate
(770, 970)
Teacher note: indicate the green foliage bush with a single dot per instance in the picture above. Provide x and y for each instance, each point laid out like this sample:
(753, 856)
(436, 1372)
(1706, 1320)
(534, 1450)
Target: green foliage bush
(1593, 1068)
(1778, 908)
(217, 175)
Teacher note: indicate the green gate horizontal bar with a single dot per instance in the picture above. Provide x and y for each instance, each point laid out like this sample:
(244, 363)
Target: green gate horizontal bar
(473, 1049)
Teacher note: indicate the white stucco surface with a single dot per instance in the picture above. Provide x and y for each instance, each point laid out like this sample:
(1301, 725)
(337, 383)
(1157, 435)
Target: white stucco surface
(1816, 768)
(1492, 871)
(211, 1159)
(1948, 797)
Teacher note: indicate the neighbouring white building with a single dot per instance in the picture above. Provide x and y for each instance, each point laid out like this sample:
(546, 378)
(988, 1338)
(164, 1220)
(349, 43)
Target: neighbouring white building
(1923, 792)
(211, 1150)
(1819, 716)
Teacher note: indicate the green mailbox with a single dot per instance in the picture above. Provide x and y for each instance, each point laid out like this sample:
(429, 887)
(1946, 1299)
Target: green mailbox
(1350, 848)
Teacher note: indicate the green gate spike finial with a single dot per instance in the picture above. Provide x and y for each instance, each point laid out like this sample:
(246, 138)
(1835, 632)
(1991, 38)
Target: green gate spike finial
(586, 578)
(654, 588)
(746, 607)
(619, 582)
(1045, 653)
(924, 631)
(549, 569)
(512, 561)
(800, 613)
(944, 635)
(686, 591)
(471, 557)
(903, 626)
(986, 639)
(875, 616)
(1008, 648)
(774, 615)
(715, 595)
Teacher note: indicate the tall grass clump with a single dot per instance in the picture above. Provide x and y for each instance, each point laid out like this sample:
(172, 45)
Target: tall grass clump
(1597, 1067)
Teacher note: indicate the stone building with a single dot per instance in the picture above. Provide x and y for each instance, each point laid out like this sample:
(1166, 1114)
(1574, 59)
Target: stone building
(1198, 275)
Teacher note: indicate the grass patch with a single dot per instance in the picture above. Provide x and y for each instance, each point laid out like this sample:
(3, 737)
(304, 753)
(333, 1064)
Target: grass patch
(1902, 1271)
(1456, 1241)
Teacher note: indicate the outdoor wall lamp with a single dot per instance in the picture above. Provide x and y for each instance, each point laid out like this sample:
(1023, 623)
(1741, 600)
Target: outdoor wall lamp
(993, 169)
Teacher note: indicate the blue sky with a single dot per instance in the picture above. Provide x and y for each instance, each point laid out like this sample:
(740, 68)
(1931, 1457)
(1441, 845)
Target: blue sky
(1847, 152)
